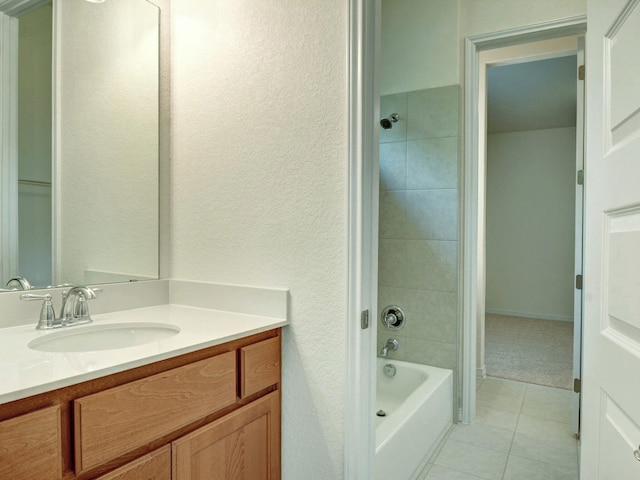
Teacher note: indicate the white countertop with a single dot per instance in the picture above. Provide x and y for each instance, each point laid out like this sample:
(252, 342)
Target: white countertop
(25, 372)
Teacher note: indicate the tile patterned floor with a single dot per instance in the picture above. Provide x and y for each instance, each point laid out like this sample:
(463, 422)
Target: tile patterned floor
(522, 432)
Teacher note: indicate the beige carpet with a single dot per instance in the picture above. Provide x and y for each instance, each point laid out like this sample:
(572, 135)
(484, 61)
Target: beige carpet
(529, 350)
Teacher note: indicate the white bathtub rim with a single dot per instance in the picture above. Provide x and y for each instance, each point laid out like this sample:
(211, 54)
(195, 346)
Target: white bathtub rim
(436, 377)
(409, 447)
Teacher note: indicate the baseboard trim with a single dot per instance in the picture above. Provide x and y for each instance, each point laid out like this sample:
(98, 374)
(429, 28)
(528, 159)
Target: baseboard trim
(540, 316)
(481, 372)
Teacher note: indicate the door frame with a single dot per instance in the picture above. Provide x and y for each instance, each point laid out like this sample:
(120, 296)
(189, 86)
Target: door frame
(472, 301)
(363, 173)
(579, 235)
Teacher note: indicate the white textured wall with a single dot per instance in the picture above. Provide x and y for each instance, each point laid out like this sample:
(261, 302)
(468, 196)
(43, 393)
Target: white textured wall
(259, 184)
(107, 149)
(530, 222)
(484, 16)
(419, 47)
(422, 39)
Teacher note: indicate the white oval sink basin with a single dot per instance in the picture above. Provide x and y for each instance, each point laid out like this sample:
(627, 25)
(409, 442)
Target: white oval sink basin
(103, 337)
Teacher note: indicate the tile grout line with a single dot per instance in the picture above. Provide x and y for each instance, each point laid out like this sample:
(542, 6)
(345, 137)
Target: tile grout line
(504, 471)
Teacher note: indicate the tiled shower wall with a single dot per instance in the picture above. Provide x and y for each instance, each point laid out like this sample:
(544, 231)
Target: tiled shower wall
(418, 232)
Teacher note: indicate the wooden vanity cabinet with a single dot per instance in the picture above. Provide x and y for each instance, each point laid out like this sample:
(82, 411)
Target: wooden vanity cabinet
(210, 414)
(31, 445)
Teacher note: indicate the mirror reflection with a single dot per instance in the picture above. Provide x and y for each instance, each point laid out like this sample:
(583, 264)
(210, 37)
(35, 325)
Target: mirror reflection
(82, 205)
(34, 147)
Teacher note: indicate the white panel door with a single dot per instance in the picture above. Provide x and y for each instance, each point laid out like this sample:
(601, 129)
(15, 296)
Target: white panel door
(611, 373)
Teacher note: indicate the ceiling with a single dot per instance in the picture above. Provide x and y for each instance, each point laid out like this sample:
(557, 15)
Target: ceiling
(532, 95)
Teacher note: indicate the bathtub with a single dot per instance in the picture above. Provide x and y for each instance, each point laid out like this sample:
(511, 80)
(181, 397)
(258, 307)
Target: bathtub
(418, 403)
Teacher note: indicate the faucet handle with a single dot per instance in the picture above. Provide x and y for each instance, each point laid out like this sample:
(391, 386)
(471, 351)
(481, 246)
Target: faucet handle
(47, 318)
(78, 313)
(29, 297)
(81, 309)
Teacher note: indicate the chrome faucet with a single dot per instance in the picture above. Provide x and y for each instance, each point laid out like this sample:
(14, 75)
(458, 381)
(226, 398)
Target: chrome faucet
(392, 344)
(74, 310)
(18, 283)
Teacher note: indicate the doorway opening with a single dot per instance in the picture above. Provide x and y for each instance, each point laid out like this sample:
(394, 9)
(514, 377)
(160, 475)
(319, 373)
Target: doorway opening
(532, 200)
(503, 233)
(529, 222)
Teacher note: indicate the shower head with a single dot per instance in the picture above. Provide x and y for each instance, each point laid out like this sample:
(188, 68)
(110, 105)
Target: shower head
(388, 122)
(385, 123)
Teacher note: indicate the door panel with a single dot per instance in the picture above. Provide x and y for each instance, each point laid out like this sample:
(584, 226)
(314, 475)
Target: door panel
(616, 447)
(621, 58)
(611, 374)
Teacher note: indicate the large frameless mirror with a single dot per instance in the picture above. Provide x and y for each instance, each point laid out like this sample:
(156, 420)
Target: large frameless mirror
(80, 143)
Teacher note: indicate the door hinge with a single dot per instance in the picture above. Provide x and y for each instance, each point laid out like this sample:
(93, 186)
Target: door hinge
(364, 319)
(577, 385)
(580, 177)
(581, 72)
(579, 282)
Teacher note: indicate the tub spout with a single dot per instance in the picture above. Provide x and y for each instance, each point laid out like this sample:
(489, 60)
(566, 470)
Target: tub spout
(392, 344)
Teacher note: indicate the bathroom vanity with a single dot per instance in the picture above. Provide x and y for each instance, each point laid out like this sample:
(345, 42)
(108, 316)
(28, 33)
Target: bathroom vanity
(198, 405)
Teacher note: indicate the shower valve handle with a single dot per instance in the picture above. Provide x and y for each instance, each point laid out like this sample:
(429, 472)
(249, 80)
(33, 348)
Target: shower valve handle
(391, 319)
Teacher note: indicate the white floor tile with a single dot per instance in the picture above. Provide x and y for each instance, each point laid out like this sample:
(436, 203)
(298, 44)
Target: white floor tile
(555, 452)
(543, 393)
(496, 418)
(550, 408)
(525, 469)
(493, 438)
(471, 459)
(501, 386)
(546, 429)
(441, 473)
(522, 432)
(498, 401)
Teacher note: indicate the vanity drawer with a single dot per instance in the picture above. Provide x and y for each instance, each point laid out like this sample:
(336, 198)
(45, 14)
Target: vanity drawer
(110, 423)
(31, 445)
(153, 466)
(259, 366)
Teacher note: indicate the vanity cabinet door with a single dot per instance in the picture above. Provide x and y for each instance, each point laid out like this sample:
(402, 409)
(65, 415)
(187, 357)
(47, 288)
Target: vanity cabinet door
(31, 446)
(153, 466)
(243, 445)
